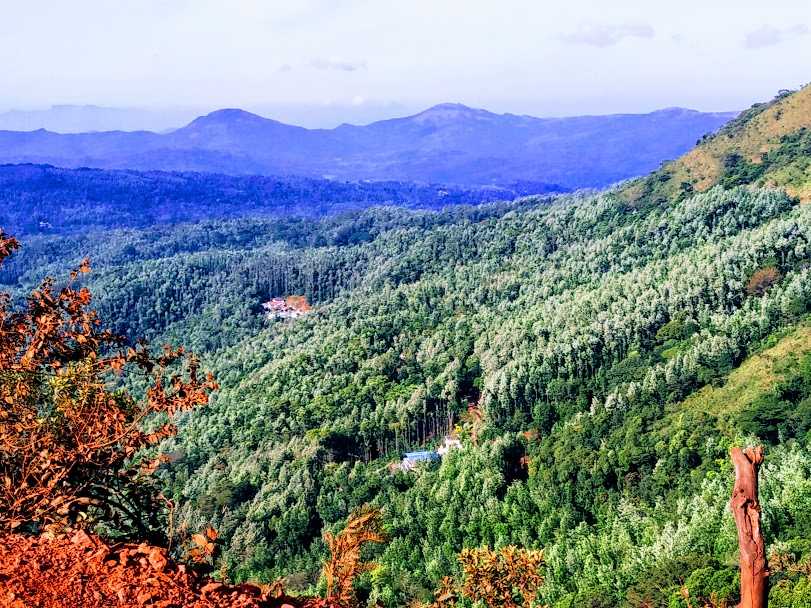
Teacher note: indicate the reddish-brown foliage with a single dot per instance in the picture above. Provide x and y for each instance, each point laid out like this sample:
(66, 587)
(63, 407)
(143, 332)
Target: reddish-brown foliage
(82, 571)
(473, 422)
(508, 578)
(761, 280)
(8, 245)
(344, 565)
(203, 545)
(713, 602)
(66, 432)
(446, 596)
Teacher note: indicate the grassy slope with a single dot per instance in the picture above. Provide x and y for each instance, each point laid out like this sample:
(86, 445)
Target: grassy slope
(756, 132)
(755, 377)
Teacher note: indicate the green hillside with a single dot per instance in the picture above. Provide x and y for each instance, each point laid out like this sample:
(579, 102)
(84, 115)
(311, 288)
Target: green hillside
(596, 356)
(754, 377)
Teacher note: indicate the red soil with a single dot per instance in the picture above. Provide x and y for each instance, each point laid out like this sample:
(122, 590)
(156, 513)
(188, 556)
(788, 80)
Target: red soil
(78, 570)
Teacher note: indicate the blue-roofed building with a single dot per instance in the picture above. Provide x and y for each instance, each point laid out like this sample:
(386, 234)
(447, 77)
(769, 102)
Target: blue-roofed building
(412, 459)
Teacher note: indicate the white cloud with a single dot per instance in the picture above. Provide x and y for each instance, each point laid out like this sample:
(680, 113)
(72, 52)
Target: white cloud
(336, 63)
(521, 56)
(771, 36)
(608, 35)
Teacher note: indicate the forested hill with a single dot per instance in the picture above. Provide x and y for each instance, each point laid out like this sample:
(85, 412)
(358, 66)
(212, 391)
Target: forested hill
(43, 199)
(595, 355)
(448, 143)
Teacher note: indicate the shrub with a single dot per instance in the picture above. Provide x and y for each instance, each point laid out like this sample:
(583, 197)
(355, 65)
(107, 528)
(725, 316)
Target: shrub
(66, 429)
(345, 563)
(506, 578)
(760, 282)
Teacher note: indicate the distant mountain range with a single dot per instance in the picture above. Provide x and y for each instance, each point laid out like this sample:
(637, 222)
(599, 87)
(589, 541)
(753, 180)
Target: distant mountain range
(448, 143)
(83, 118)
(70, 118)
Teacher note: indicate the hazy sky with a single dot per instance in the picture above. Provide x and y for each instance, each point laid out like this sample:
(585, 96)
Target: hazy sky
(541, 57)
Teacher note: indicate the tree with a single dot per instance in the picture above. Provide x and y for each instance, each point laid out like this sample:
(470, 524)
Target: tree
(345, 563)
(745, 508)
(67, 428)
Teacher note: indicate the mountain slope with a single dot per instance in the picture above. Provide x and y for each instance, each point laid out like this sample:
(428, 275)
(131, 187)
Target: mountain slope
(745, 389)
(768, 145)
(449, 143)
(575, 327)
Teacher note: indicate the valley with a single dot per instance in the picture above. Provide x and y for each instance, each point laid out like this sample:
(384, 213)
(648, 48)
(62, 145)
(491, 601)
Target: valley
(615, 344)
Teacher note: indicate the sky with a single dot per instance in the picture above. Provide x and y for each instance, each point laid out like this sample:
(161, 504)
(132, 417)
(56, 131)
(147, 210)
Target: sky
(321, 62)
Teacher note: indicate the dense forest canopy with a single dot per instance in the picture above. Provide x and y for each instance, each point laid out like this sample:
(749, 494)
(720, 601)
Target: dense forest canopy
(596, 356)
(41, 199)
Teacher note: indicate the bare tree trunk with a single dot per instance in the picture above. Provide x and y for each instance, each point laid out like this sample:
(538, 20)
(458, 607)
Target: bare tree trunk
(745, 508)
